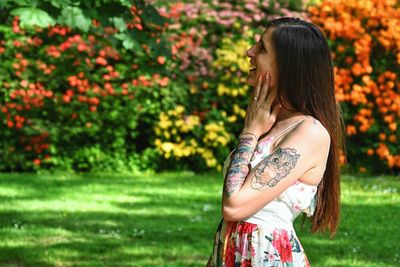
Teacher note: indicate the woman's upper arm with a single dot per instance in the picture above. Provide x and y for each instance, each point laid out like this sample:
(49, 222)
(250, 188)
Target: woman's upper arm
(296, 154)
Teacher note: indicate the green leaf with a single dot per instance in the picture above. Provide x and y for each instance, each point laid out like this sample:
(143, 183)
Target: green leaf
(23, 2)
(30, 16)
(127, 3)
(5, 3)
(129, 43)
(60, 3)
(119, 23)
(74, 17)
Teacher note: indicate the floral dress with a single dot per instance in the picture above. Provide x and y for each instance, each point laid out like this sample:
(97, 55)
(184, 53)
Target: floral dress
(267, 238)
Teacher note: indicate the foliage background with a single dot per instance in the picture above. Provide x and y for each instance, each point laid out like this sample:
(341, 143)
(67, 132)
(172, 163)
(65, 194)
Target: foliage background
(148, 85)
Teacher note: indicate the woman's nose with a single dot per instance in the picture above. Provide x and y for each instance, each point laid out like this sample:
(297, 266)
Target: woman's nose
(250, 52)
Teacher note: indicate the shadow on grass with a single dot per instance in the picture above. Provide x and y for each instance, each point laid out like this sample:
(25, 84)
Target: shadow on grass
(170, 222)
(367, 233)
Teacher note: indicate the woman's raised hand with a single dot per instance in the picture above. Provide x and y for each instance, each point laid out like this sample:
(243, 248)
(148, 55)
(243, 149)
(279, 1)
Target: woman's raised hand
(259, 117)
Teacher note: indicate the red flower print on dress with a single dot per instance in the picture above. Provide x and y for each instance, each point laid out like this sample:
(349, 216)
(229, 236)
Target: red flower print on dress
(246, 263)
(244, 234)
(282, 244)
(238, 241)
(230, 245)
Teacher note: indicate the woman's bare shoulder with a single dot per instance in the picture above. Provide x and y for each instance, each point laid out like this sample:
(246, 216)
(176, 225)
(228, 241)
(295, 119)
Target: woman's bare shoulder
(308, 131)
(312, 129)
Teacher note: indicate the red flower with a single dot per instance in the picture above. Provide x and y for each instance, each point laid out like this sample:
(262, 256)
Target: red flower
(101, 61)
(282, 244)
(94, 101)
(164, 81)
(66, 98)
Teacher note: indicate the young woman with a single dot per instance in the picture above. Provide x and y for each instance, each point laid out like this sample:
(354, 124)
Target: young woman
(287, 157)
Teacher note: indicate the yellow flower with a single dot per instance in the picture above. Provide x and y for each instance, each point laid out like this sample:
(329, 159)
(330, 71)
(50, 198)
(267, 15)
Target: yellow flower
(222, 140)
(187, 151)
(167, 147)
(164, 124)
(179, 123)
(192, 121)
(177, 152)
(167, 134)
(158, 143)
(243, 113)
(211, 127)
(219, 167)
(193, 142)
(179, 109)
(211, 162)
(232, 118)
(222, 89)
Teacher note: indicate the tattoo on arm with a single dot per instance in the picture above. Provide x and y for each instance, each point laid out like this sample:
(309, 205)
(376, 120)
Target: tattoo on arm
(238, 169)
(274, 168)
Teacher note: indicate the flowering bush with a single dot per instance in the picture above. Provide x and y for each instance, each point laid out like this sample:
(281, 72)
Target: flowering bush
(165, 87)
(215, 69)
(73, 100)
(365, 39)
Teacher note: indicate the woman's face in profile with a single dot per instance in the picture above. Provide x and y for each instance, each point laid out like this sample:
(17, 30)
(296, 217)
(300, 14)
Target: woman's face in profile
(262, 59)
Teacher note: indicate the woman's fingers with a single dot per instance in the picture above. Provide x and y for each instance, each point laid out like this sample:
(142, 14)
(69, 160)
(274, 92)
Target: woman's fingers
(264, 88)
(257, 89)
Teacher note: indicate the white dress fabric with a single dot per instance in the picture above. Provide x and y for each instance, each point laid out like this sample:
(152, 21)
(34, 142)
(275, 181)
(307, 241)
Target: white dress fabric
(267, 238)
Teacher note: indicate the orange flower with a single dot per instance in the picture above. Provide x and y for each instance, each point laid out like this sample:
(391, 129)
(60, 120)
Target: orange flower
(393, 126)
(351, 130)
(392, 138)
(363, 27)
(161, 60)
(382, 151)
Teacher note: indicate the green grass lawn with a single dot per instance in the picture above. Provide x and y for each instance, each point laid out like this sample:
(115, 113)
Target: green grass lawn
(169, 220)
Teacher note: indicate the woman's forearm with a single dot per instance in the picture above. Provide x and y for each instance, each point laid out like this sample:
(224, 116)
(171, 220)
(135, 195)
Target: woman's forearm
(238, 168)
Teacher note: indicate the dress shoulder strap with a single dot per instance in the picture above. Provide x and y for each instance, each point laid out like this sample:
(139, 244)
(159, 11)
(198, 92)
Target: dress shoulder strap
(290, 127)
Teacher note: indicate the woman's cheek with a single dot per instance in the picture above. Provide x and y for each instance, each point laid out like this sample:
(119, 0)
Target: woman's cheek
(273, 82)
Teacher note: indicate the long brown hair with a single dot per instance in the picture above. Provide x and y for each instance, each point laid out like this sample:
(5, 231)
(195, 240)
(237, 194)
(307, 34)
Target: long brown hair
(306, 81)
